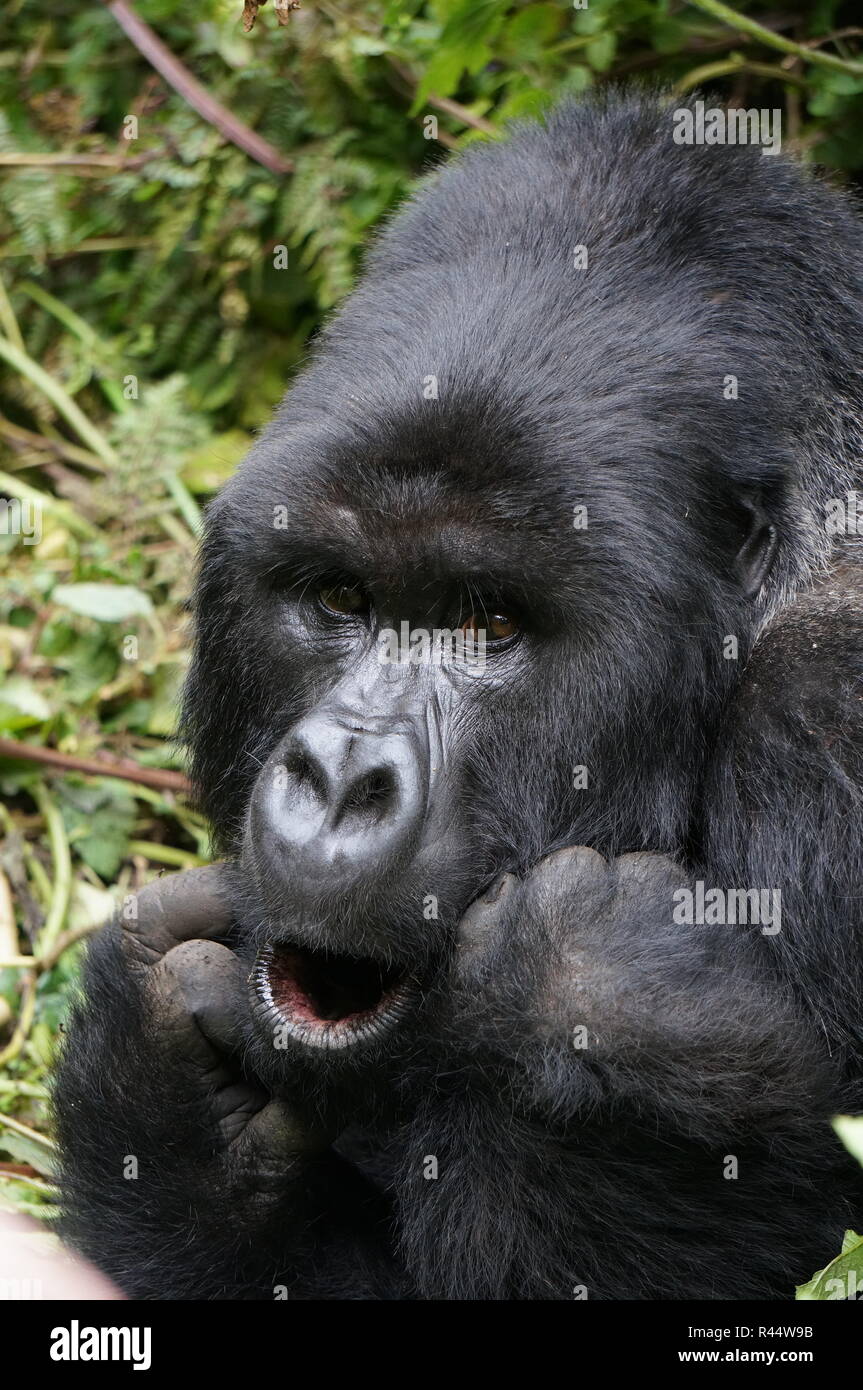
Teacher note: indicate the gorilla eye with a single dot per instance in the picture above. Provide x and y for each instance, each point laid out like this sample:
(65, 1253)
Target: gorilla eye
(345, 599)
(497, 626)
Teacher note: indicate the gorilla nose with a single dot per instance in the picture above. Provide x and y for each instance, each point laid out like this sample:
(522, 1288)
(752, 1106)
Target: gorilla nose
(347, 796)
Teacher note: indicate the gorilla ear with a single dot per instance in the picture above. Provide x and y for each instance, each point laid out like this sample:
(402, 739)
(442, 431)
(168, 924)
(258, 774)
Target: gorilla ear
(755, 556)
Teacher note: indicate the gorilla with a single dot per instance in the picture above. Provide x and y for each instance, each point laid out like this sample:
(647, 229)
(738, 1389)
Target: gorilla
(527, 708)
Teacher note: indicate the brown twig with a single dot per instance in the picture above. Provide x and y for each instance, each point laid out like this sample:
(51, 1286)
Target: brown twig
(20, 439)
(162, 779)
(445, 104)
(81, 162)
(40, 964)
(148, 43)
(461, 113)
(720, 44)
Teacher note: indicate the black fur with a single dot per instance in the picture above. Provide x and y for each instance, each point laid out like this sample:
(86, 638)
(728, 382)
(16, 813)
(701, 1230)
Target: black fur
(557, 387)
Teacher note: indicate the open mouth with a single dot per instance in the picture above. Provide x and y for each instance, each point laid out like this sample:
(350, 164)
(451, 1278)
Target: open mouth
(330, 1001)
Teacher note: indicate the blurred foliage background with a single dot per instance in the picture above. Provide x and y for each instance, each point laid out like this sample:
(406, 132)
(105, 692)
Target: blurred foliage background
(181, 202)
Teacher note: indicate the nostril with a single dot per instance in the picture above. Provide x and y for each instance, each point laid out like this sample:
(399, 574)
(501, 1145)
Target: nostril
(307, 774)
(372, 793)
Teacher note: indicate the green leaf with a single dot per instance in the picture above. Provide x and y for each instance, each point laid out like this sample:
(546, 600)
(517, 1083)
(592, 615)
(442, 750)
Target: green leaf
(669, 35)
(589, 20)
(577, 80)
(472, 26)
(99, 821)
(527, 102)
(29, 1204)
(850, 1131)
(366, 44)
(164, 707)
(534, 26)
(89, 664)
(89, 905)
(22, 704)
(841, 84)
(40, 1043)
(842, 1278)
(441, 77)
(206, 469)
(107, 603)
(601, 50)
(464, 46)
(22, 1149)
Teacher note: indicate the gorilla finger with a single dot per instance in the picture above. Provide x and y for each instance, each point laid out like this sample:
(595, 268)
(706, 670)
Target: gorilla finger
(274, 1136)
(574, 868)
(200, 990)
(175, 908)
(643, 870)
(484, 915)
(235, 1104)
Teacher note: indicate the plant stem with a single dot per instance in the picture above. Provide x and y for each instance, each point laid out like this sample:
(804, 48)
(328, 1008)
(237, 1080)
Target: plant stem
(62, 887)
(753, 30)
(55, 393)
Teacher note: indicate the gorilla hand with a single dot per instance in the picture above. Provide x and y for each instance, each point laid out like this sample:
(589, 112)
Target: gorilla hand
(609, 1060)
(580, 978)
(249, 1176)
(197, 995)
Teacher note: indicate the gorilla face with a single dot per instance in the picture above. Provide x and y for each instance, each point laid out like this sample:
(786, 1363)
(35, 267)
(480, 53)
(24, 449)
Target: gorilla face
(356, 842)
(406, 634)
(381, 808)
(490, 444)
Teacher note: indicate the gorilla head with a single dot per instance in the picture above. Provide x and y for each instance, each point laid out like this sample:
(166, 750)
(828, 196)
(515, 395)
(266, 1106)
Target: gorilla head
(580, 409)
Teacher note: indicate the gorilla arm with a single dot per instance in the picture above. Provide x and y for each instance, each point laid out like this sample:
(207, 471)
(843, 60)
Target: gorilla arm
(167, 1145)
(784, 803)
(633, 1108)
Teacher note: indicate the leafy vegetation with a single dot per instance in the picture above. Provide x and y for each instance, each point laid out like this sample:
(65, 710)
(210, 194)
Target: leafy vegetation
(158, 284)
